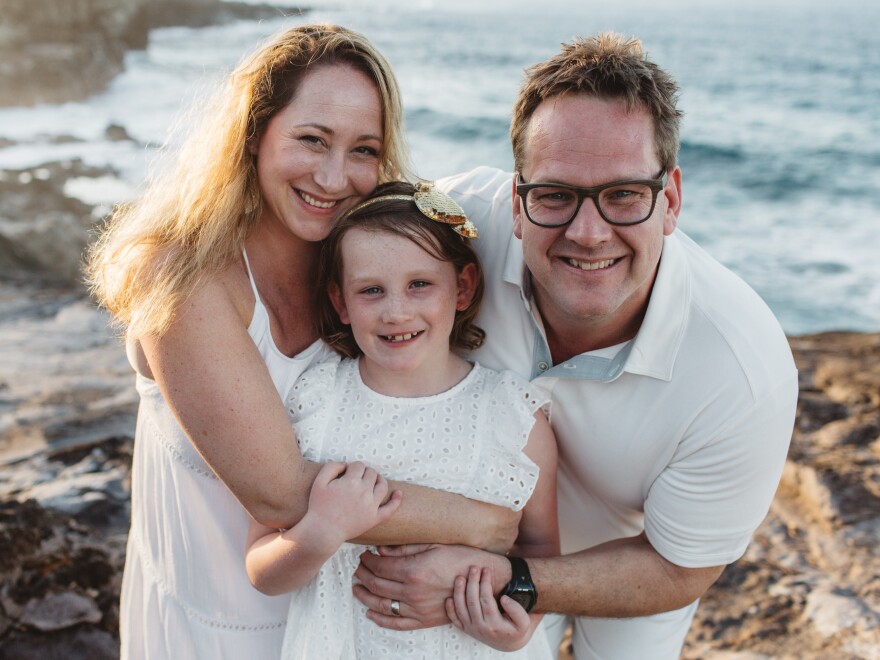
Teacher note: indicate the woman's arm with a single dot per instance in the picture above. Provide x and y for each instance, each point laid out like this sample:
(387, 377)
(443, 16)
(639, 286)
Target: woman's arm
(217, 385)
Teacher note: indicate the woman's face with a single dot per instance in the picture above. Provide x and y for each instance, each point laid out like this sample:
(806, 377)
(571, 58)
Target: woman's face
(320, 154)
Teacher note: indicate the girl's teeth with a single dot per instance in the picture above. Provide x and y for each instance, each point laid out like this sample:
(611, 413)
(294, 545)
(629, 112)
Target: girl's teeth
(311, 201)
(397, 338)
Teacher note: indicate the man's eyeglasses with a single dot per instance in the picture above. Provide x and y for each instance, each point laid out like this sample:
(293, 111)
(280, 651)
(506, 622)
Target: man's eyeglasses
(618, 202)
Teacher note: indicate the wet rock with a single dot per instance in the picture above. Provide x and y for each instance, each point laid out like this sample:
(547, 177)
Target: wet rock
(117, 133)
(59, 611)
(42, 230)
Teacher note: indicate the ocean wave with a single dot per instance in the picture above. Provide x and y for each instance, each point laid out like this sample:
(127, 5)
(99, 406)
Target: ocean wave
(457, 128)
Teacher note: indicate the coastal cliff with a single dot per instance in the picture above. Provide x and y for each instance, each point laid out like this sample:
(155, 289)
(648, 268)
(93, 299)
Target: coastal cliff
(808, 586)
(53, 51)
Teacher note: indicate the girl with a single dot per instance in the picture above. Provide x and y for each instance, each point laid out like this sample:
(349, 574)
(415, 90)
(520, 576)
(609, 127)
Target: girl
(404, 287)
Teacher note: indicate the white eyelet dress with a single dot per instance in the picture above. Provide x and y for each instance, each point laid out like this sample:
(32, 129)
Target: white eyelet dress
(185, 593)
(466, 440)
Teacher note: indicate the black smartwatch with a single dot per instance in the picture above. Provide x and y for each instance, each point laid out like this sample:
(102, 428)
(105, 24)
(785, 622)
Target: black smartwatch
(520, 588)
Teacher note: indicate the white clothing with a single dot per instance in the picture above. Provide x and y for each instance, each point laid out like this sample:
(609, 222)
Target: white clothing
(681, 432)
(466, 440)
(185, 593)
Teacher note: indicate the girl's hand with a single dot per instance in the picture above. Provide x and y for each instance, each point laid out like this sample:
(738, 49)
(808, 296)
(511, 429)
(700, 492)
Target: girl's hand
(474, 610)
(348, 500)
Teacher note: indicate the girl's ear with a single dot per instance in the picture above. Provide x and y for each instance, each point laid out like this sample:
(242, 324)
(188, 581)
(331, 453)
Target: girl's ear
(467, 286)
(338, 302)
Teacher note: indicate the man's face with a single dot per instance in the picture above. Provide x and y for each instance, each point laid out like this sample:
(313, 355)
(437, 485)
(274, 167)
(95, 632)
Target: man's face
(592, 276)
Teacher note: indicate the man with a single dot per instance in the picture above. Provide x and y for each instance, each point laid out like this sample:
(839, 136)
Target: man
(673, 386)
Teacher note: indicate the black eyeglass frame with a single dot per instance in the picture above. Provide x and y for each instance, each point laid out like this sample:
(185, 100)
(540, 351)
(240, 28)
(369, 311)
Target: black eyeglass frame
(656, 185)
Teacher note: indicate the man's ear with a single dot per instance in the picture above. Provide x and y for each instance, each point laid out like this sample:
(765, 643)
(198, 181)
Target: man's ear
(672, 192)
(467, 286)
(338, 302)
(517, 210)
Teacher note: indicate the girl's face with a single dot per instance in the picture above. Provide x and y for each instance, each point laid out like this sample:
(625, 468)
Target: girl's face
(400, 302)
(320, 154)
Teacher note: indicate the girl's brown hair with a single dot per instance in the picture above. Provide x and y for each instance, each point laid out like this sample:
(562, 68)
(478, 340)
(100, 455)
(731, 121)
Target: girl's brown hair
(400, 217)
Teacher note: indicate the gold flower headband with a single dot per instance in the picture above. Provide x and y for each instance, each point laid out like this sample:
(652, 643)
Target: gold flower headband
(433, 204)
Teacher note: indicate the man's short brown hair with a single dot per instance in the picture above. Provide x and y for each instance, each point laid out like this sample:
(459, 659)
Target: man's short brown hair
(606, 66)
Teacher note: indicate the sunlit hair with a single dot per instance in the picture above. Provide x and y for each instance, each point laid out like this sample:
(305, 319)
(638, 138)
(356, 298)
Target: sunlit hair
(193, 219)
(400, 218)
(609, 67)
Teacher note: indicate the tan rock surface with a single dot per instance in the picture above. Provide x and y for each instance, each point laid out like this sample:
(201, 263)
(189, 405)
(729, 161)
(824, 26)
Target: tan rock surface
(808, 586)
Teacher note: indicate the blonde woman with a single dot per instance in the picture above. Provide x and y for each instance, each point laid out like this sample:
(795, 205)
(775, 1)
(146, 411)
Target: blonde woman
(212, 273)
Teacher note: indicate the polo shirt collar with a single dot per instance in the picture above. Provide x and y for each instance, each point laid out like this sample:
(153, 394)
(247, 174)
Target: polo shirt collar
(659, 339)
(653, 350)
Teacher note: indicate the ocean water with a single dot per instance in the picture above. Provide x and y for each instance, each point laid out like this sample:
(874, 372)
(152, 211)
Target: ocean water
(780, 140)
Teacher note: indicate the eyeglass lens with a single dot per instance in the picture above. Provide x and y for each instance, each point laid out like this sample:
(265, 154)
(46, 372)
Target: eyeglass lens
(628, 203)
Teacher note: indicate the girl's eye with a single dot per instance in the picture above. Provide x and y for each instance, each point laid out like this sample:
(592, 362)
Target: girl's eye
(371, 290)
(420, 284)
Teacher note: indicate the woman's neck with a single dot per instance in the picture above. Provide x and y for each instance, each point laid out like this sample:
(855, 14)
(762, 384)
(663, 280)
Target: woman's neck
(285, 274)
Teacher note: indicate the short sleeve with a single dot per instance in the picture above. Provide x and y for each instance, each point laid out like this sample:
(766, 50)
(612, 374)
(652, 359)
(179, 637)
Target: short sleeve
(703, 508)
(307, 404)
(504, 474)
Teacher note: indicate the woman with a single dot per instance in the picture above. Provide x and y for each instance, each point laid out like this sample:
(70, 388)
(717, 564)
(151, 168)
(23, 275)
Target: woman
(213, 273)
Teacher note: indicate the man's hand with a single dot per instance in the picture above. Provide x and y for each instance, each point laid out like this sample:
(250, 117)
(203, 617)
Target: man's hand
(421, 578)
(473, 609)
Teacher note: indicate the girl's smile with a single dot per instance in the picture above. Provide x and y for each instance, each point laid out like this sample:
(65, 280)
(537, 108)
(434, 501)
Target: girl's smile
(401, 302)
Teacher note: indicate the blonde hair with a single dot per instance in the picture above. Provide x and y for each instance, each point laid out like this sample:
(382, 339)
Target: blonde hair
(192, 221)
(606, 66)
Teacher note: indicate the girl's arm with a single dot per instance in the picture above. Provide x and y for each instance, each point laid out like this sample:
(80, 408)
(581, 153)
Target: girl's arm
(217, 385)
(345, 501)
(473, 607)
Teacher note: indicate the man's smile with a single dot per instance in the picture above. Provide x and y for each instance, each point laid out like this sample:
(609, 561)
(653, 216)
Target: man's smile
(591, 265)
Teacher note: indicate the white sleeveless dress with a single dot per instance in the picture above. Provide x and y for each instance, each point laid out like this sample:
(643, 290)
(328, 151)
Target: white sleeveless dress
(466, 440)
(185, 593)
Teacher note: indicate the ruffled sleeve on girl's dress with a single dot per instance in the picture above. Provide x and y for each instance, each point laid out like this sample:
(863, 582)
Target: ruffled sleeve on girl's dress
(307, 405)
(504, 474)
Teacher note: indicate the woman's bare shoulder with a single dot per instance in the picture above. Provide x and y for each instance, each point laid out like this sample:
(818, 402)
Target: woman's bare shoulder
(226, 298)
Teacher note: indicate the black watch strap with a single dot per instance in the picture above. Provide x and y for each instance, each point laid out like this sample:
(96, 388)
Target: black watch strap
(520, 588)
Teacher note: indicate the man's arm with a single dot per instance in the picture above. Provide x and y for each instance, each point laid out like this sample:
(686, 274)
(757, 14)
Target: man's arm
(621, 578)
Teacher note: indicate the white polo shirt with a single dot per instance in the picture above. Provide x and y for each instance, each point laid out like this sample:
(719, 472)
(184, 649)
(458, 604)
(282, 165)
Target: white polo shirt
(681, 432)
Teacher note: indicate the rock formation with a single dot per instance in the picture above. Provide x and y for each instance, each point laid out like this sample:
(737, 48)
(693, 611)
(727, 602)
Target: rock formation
(63, 50)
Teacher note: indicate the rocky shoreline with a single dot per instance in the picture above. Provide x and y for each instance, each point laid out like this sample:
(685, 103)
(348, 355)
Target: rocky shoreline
(808, 586)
